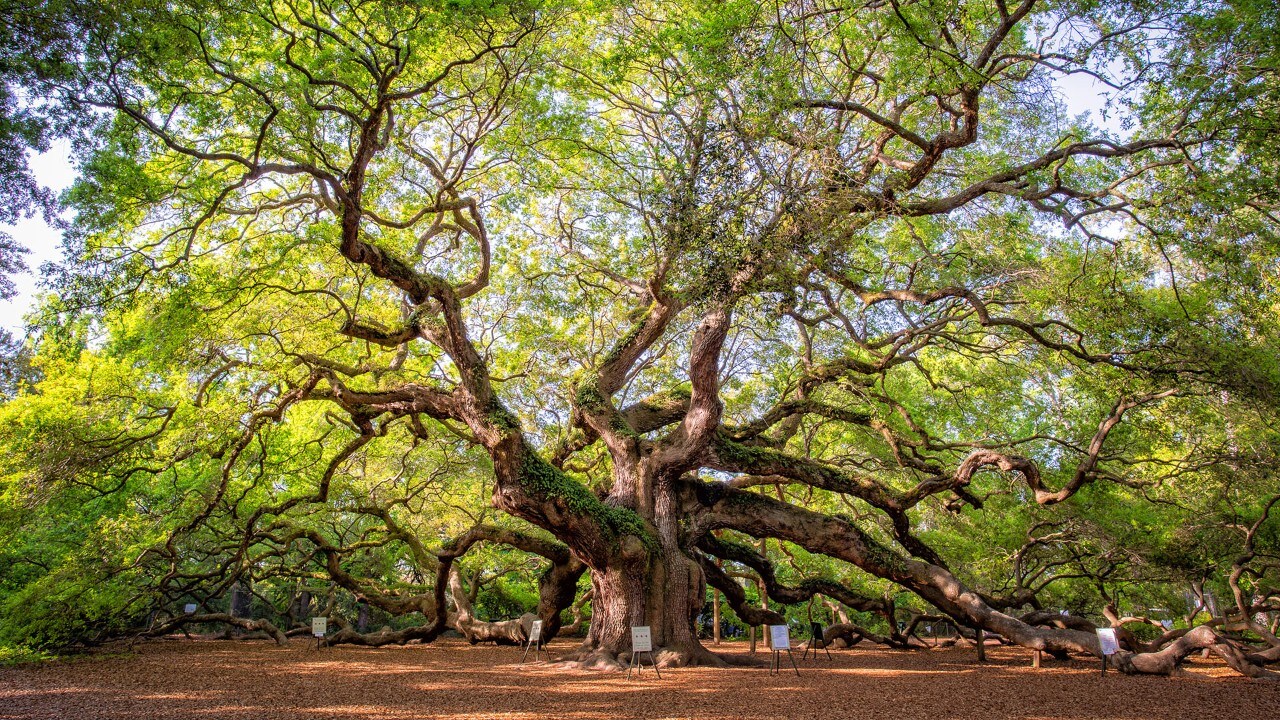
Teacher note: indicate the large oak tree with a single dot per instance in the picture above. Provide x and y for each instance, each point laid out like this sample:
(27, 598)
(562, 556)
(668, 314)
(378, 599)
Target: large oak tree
(669, 281)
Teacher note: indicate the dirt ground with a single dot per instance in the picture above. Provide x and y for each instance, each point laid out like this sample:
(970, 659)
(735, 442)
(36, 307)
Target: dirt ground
(448, 679)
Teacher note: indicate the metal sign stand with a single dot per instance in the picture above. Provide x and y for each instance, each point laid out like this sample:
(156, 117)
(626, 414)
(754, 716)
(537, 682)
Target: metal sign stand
(817, 640)
(641, 643)
(780, 639)
(534, 641)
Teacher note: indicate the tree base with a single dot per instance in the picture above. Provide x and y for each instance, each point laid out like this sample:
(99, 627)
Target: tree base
(591, 658)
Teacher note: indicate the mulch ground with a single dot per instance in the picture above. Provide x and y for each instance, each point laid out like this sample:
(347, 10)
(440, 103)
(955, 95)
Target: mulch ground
(449, 679)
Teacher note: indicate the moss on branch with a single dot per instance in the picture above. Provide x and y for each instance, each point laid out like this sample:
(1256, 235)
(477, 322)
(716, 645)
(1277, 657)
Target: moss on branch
(587, 395)
(882, 555)
(639, 320)
(502, 418)
(543, 479)
(739, 455)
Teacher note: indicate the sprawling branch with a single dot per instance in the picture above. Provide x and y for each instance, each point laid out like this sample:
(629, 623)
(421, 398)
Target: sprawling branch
(788, 595)
(1085, 471)
(724, 507)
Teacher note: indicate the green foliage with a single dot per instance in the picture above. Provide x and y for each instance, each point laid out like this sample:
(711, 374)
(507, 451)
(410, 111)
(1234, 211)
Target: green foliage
(18, 655)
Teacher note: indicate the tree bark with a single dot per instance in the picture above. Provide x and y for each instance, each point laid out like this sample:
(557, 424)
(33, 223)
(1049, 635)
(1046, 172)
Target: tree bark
(1165, 662)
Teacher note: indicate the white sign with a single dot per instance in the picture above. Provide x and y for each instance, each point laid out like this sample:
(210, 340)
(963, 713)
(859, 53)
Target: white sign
(319, 626)
(1166, 624)
(641, 639)
(535, 632)
(1107, 639)
(189, 608)
(779, 637)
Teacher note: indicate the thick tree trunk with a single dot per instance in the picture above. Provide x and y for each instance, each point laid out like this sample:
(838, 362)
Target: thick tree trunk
(659, 585)
(663, 592)
(241, 600)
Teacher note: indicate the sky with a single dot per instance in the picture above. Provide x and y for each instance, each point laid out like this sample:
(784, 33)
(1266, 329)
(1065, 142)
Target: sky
(55, 170)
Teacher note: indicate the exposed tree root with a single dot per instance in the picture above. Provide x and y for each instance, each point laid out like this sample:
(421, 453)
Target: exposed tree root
(851, 634)
(505, 632)
(179, 621)
(697, 657)
(586, 658)
(1165, 662)
(386, 636)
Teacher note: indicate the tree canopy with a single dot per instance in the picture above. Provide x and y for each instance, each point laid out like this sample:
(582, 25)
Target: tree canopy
(459, 310)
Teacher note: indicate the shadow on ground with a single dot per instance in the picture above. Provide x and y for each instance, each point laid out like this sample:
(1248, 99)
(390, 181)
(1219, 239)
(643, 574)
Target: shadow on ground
(449, 679)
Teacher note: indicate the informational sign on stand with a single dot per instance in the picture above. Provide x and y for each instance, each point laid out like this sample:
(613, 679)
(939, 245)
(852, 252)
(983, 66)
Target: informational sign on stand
(1107, 639)
(189, 609)
(1109, 645)
(319, 626)
(642, 639)
(817, 641)
(641, 642)
(534, 642)
(779, 637)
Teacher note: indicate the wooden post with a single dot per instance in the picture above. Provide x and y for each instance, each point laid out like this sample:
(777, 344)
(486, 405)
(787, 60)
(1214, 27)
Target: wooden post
(982, 646)
(1035, 659)
(716, 616)
(753, 638)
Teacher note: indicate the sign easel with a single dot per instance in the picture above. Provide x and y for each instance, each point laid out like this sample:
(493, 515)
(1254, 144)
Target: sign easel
(319, 628)
(1109, 644)
(534, 641)
(817, 640)
(780, 639)
(641, 643)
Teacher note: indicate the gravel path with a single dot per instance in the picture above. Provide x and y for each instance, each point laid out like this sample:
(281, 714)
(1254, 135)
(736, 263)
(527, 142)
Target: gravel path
(448, 679)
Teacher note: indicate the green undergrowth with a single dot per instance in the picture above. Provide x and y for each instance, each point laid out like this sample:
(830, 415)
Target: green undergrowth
(13, 655)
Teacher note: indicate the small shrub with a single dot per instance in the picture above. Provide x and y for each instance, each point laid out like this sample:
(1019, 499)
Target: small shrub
(19, 655)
